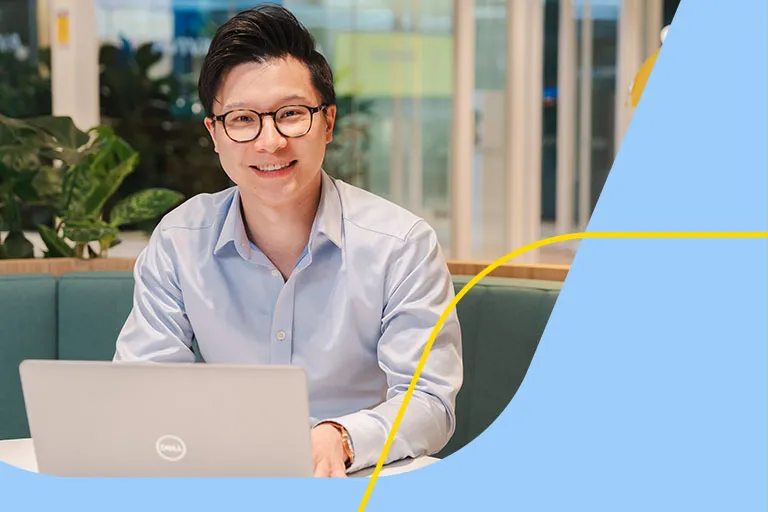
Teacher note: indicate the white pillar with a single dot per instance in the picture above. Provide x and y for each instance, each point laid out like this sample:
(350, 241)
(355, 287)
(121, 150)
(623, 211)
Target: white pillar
(640, 24)
(514, 157)
(75, 61)
(415, 183)
(535, 105)
(524, 82)
(585, 117)
(462, 128)
(566, 120)
(396, 171)
(629, 59)
(654, 20)
(396, 167)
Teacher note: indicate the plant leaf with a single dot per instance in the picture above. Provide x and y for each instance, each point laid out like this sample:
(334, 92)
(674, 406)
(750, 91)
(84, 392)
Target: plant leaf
(89, 185)
(17, 246)
(24, 188)
(75, 189)
(15, 127)
(144, 205)
(89, 232)
(24, 142)
(48, 182)
(61, 128)
(80, 179)
(66, 155)
(109, 185)
(57, 247)
(22, 156)
(12, 211)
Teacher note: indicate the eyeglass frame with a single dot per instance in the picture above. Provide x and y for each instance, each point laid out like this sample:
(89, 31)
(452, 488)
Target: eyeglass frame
(312, 112)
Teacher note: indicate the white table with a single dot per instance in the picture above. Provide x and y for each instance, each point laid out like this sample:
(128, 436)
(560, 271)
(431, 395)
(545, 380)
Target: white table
(21, 453)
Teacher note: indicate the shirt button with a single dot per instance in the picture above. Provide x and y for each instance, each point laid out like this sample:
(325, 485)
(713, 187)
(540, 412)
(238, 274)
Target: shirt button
(281, 335)
(276, 273)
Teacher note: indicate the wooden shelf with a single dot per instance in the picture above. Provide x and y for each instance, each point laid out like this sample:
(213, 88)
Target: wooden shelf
(59, 266)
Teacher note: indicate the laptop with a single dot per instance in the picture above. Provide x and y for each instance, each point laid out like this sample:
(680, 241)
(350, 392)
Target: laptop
(105, 419)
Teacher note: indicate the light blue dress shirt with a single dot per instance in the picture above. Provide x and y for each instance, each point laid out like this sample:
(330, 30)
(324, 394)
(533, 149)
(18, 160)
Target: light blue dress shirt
(356, 312)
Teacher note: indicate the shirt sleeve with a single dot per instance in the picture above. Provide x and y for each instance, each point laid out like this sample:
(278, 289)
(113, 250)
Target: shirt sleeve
(157, 328)
(420, 289)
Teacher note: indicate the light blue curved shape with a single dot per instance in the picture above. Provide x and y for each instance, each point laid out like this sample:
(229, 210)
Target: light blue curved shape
(648, 391)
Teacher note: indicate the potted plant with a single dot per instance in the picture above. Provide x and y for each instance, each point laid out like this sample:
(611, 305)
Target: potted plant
(49, 161)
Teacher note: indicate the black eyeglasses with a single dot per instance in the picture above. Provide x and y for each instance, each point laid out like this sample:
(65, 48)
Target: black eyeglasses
(291, 121)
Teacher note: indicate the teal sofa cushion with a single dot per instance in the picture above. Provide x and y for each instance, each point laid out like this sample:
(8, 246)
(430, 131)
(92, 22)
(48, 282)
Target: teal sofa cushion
(93, 306)
(27, 331)
(502, 321)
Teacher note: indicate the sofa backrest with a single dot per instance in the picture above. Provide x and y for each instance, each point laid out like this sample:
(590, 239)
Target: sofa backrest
(79, 316)
(92, 307)
(502, 320)
(27, 331)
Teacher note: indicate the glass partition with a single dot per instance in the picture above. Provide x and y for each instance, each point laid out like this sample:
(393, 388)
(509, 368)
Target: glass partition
(392, 64)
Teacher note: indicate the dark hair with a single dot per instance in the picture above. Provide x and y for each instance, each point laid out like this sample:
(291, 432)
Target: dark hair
(261, 34)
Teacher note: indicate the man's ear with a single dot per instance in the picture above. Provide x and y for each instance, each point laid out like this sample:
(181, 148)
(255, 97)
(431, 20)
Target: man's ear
(210, 124)
(330, 122)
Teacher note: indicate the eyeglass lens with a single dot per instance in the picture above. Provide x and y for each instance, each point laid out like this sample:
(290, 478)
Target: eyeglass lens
(291, 121)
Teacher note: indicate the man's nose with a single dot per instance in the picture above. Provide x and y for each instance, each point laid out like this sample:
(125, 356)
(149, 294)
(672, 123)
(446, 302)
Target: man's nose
(269, 140)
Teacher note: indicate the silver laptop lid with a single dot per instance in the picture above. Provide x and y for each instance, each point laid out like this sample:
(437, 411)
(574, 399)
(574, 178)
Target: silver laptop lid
(179, 420)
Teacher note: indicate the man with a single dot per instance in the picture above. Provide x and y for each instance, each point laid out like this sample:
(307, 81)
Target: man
(293, 267)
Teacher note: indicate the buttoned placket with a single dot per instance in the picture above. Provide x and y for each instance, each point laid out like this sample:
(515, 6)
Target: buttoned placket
(281, 332)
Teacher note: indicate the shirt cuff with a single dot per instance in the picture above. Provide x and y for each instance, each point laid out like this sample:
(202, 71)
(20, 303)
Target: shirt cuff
(366, 435)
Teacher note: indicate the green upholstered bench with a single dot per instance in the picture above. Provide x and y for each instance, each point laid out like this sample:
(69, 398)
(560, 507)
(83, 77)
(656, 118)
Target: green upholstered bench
(27, 331)
(92, 308)
(502, 320)
(79, 315)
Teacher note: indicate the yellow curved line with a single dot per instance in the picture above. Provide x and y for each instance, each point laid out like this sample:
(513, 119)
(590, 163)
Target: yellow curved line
(490, 268)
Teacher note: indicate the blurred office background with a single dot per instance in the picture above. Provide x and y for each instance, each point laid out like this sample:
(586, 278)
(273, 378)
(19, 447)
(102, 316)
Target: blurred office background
(496, 120)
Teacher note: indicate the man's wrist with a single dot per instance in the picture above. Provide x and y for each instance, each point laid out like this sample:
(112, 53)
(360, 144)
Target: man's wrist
(346, 442)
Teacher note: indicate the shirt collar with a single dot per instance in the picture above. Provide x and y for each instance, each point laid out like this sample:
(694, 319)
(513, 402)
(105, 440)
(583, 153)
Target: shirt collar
(329, 214)
(328, 221)
(233, 229)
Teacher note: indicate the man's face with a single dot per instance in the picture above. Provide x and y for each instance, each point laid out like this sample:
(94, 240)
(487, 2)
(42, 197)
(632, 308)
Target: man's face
(258, 166)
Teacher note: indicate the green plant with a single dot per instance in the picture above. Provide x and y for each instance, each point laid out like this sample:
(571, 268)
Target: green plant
(74, 173)
(29, 151)
(86, 188)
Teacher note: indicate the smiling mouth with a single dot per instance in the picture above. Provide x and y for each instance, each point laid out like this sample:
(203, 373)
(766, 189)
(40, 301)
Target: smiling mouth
(273, 168)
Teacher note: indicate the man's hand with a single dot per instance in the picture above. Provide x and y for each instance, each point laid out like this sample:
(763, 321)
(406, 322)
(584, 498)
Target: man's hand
(328, 452)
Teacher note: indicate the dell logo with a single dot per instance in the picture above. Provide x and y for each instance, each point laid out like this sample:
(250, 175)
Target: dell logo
(171, 448)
